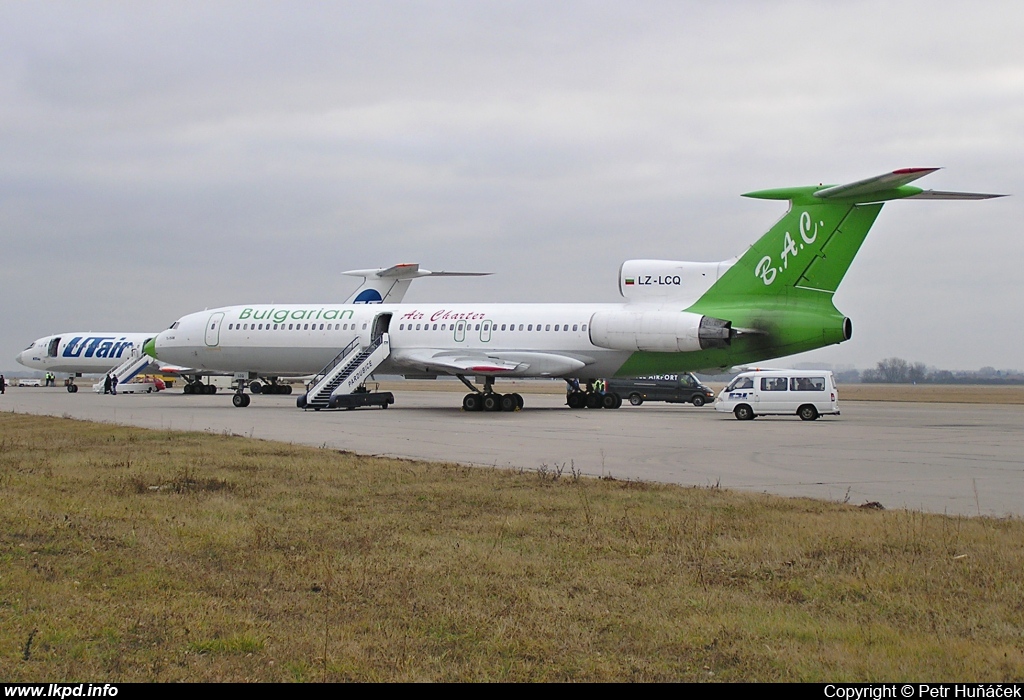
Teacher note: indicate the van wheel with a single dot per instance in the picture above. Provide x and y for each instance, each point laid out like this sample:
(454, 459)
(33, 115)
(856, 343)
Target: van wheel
(698, 400)
(808, 412)
(636, 399)
(744, 412)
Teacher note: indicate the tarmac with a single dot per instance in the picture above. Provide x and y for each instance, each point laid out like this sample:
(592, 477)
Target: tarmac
(958, 459)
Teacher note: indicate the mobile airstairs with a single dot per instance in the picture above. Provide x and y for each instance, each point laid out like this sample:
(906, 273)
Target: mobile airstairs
(338, 385)
(125, 372)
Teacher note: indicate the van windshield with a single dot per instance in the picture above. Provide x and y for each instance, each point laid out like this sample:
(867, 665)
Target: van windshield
(740, 383)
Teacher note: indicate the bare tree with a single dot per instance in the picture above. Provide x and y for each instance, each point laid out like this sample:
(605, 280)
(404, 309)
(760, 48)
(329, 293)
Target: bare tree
(893, 370)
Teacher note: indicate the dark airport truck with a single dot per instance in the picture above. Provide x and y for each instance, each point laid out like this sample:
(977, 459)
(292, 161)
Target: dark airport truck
(673, 388)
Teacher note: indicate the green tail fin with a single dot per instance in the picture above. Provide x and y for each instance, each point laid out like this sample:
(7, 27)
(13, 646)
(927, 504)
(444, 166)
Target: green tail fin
(811, 248)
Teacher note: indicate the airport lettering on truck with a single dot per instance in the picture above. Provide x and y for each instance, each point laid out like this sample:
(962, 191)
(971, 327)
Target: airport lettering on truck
(805, 393)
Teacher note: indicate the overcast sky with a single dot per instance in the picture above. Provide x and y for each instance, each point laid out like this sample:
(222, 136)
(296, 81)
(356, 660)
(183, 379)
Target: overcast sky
(160, 158)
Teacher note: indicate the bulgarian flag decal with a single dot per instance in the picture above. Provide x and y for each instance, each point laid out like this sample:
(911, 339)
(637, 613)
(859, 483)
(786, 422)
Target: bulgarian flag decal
(629, 281)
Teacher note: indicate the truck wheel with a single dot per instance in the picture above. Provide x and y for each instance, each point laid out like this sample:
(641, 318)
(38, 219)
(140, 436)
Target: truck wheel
(808, 412)
(698, 400)
(636, 399)
(744, 412)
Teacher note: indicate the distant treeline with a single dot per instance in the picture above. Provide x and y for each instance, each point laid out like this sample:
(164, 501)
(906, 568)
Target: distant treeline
(896, 370)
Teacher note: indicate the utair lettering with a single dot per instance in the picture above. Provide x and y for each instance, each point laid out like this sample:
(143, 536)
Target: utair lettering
(96, 346)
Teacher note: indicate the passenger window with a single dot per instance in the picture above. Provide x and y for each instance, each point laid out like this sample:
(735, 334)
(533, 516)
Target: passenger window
(547, 327)
(807, 384)
(574, 327)
(529, 327)
(773, 383)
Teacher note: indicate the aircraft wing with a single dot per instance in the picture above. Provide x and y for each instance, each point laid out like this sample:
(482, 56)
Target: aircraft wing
(480, 362)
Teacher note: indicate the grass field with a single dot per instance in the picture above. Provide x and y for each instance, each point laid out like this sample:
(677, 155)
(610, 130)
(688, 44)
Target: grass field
(135, 555)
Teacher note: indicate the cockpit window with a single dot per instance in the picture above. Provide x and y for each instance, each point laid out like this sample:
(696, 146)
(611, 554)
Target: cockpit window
(174, 325)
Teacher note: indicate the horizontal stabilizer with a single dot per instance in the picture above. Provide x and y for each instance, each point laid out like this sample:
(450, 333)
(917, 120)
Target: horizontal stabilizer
(880, 183)
(408, 271)
(388, 285)
(935, 194)
(873, 190)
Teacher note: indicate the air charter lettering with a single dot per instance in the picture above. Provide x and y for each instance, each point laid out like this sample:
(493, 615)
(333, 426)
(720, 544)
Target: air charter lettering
(443, 315)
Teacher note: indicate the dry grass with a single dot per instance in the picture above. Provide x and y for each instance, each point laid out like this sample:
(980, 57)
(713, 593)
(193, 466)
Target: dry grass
(134, 555)
(934, 393)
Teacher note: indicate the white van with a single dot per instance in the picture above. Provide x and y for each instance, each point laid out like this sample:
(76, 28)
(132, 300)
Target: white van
(805, 393)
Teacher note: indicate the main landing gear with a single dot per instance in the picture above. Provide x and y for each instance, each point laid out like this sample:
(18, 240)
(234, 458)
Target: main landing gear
(488, 400)
(196, 386)
(270, 387)
(592, 399)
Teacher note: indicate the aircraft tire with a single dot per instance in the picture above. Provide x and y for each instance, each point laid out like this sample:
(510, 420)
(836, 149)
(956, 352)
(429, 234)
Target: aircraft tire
(255, 387)
(635, 399)
(698, 401)
(472, 402)
(807, 412)
(287, 388)
(519, 401)
(509, 403)
(608, 401)
(212, 388)
(492, 402)
(576, 399)
(618, 401)
(593, 400)
(239, 400)
(743, 412)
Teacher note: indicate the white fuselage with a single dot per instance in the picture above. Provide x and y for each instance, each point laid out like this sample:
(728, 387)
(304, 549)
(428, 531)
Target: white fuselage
(545, 339)
(83, 352)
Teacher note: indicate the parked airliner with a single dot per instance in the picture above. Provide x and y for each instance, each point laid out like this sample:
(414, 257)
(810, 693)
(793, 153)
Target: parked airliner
(92, 352)
(773, 300)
